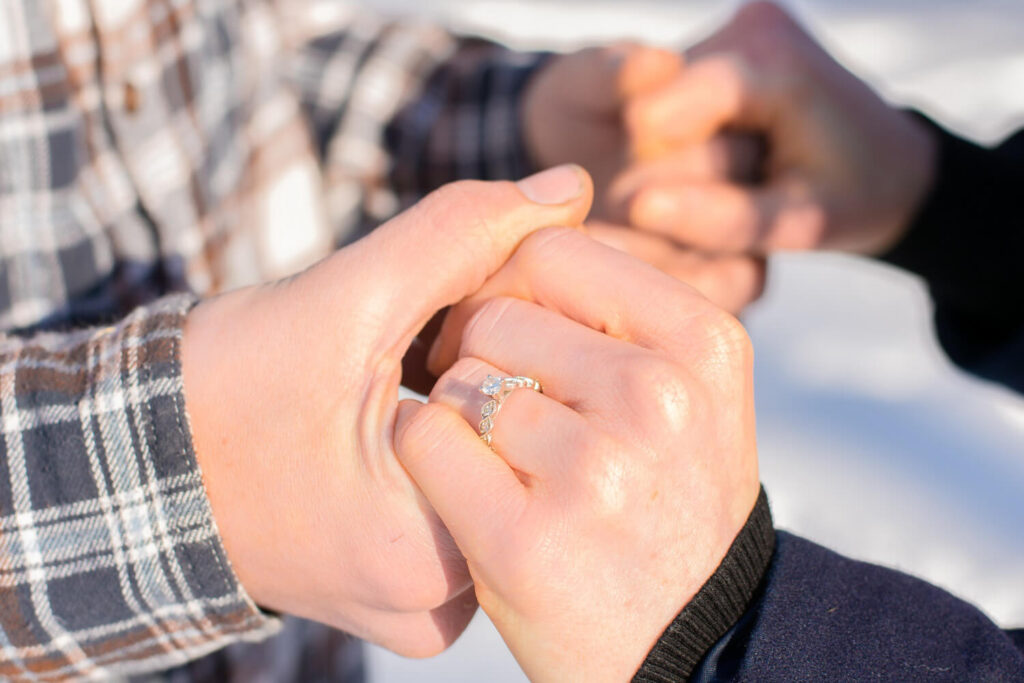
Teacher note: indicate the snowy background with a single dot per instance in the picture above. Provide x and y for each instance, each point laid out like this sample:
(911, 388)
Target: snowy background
(871, 443)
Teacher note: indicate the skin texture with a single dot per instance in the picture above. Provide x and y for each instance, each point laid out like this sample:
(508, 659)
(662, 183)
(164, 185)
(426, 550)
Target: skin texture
(574, 112)
(292, 393)
(610, 499)
(843, 169)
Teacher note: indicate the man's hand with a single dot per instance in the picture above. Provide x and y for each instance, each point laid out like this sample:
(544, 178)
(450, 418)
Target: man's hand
(610, 499)
(844, 169)
(292, 390)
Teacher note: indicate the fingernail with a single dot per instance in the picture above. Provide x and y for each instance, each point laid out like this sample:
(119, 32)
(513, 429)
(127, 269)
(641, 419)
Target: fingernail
(554, 186)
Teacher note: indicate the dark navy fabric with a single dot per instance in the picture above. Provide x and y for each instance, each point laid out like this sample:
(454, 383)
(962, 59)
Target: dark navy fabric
(824, 617)
(967, 242)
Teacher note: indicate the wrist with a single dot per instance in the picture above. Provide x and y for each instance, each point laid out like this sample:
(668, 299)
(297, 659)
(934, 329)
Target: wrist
(718, 605)
(211, 355)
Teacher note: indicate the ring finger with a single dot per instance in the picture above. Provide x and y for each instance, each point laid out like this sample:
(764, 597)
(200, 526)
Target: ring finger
(535, 434)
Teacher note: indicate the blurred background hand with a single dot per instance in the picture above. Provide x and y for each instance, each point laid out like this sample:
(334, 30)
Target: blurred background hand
(842, 169)
(573, 112)
(731, 281)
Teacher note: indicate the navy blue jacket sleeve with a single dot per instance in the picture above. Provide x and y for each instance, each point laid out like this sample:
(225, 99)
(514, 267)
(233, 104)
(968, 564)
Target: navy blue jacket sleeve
(820, 616)
(967, 242)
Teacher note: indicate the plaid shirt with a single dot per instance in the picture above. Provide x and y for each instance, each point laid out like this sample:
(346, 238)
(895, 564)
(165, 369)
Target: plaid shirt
(153, 152)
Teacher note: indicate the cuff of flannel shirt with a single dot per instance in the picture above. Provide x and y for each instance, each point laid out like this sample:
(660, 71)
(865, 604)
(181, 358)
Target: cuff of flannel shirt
(208, 606)
(115, 553)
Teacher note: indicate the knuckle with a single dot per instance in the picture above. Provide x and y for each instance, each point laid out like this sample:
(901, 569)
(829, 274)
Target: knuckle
(546, 246)
(763, 14)
(541, 253)
(464, 370)
(771, 37)
(489, 320)
(454, 195)
(727, 344)
(464, 215)
(730, 332)
(655, 395)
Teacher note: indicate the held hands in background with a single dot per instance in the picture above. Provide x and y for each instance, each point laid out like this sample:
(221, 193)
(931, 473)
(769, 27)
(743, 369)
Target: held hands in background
(844, 169)
(611, 498)
(292, 390)
(574, 112)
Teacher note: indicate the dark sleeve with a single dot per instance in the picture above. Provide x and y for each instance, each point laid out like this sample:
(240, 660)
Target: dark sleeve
(967, 242)
(820, 616)
(111, 560)
(782, 608)
(719, 604)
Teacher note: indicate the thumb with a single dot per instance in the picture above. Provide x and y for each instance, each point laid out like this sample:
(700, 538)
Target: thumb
(444, 248)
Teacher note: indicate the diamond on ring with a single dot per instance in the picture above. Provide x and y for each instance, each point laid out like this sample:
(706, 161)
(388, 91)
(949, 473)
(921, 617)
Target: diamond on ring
(499, 389)
(491, 386)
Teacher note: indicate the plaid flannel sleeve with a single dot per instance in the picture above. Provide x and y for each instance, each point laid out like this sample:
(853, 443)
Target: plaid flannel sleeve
(399, 109)
(110, 562)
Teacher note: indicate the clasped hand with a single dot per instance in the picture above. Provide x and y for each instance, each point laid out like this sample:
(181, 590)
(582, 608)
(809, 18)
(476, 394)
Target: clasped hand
(607, 501)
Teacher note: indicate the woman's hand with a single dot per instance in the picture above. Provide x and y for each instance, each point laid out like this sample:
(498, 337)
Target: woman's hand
(292, 390)
(612, 497)
(844, 169)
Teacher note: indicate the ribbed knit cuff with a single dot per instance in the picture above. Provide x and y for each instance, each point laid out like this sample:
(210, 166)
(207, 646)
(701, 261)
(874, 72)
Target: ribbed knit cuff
(718, 605)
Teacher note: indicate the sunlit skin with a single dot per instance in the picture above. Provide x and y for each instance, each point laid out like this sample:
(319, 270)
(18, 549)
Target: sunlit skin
(844, 169)
(291, 388)
(292, 391)
(611, 498)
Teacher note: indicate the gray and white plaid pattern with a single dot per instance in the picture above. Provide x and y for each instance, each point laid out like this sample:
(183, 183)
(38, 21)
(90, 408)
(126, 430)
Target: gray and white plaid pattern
(153, 152)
